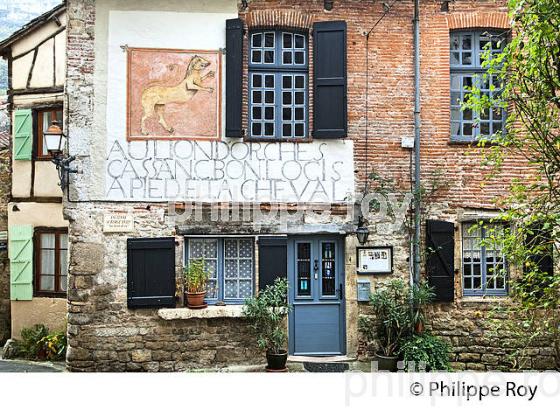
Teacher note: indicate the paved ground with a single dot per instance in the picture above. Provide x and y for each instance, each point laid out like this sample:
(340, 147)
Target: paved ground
(24, 366)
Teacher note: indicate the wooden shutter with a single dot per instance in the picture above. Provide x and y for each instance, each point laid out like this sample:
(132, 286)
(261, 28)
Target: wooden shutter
(273, 260)
(20, 251)
(329, 79)
(234, 77)
(542, 238)
(440, 244)
(151, 272)
(23, 135)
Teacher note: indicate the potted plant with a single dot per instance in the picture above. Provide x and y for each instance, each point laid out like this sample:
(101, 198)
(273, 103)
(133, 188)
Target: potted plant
(196, 279)
(422, 294)
(391, 323)
(267, 314)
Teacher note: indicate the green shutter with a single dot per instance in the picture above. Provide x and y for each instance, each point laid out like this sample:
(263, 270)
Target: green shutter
(21, 262)
(23, 135)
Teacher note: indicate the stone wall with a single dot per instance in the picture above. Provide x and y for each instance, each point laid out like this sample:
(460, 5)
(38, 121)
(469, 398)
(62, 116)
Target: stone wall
(5, 187)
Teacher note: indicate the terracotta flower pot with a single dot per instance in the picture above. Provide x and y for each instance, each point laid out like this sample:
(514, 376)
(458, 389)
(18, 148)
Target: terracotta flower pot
(196, 299)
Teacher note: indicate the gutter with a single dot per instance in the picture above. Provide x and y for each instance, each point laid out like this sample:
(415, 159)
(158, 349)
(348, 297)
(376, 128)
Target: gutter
(417, 185)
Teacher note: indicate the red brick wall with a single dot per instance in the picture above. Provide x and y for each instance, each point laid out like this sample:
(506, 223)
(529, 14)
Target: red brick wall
(391, 88)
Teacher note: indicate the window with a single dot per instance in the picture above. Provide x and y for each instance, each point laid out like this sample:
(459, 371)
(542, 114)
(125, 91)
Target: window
(484, 268)
(230, 264)
(278, 82)
(44, 119)
(466, 53)
(51, 262)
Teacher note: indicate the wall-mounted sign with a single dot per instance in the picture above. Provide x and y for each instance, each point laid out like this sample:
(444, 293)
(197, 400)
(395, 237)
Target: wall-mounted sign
(118, 222)
(374, 259)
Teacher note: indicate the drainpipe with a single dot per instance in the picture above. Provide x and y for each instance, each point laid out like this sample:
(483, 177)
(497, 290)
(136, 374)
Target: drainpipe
(417, 199)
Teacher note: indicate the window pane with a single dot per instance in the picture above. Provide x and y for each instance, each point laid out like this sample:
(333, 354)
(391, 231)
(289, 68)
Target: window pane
(269, 56)
(467, 129)
(257, 80)
(48, 240)
(287, 130)
(238, 265)
(47, 261)
(257, 97)
(300, 81)
(287, 81)
(328, 269)
(299, 114)
(287, 98)
(269, 129)
(299, 98)
(257, 40)
(467, 42)
(287, 57)
(269, 97)
(303, 269)
(269, 81)
(299, 41)
(299, 130)
(299, 57)
(257, 113)
(287, 114)
(47, 282)
(256, 56)
(269, 40)
(63, 262)
(269, 113)
(256, 129)
(287, 40)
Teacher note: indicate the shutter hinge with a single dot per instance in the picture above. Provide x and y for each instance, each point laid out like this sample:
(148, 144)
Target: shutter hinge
(222, 50)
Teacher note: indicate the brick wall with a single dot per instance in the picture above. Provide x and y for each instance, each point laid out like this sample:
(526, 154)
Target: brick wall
(98, 318)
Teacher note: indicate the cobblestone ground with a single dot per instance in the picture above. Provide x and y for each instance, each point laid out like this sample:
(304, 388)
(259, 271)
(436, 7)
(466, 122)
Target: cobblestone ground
(22, 366)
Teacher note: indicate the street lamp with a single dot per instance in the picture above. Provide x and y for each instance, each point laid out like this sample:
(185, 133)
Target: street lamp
(362, 232)
(55, 140)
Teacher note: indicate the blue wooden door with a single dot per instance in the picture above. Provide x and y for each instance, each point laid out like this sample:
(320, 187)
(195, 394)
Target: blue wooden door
(316, 277)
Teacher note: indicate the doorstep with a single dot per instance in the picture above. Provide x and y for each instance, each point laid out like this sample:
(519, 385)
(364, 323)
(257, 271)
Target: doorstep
(211, 312)
(321, 359)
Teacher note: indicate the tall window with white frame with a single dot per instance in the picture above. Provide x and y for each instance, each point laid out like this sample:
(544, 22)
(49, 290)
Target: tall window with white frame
(484, 266)
(467, 59)
(278, 83)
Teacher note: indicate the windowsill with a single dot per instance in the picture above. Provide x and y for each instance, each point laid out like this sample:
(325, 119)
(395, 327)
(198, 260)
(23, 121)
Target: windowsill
(211, 312)
(484, 299)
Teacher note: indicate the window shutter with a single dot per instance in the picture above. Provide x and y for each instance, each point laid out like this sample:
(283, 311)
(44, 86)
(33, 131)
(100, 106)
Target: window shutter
(440, 244)
(23, 135)
(151, 272)
(329, 79)
(234, 77)
(21, 262)
(542, 238)
(273, 260)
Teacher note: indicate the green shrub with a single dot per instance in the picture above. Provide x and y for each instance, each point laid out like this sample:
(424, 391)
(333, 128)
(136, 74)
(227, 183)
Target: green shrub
(267, 313)
(425, 351)
(37, 343)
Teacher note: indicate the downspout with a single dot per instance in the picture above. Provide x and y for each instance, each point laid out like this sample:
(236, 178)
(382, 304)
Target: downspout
(417, 186)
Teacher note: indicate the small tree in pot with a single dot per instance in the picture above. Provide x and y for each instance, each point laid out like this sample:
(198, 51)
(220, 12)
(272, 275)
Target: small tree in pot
(397, 313)
(267, 314)
(196, 279)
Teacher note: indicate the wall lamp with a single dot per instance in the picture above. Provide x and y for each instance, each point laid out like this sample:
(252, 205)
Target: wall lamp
(362, 232)
(55, 140)
(328, 4)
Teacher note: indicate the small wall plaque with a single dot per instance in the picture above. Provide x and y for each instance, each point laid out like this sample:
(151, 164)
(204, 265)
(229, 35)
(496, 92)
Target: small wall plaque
(374, 259)
(118, 222)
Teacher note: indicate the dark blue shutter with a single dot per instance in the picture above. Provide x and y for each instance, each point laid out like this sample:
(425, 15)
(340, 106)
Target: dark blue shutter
(329, 79)
(273, 260)
(440, 244)
(234, 77)
(151, 272)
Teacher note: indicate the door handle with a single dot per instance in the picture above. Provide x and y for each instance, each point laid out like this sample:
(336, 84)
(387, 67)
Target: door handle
(340, 291)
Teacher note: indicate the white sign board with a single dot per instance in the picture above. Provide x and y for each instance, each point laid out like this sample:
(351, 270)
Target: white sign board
(375, 260)
(118, 222)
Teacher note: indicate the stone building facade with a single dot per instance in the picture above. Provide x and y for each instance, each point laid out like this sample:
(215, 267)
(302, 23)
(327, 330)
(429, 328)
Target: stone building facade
(37, 232)
(131, 176)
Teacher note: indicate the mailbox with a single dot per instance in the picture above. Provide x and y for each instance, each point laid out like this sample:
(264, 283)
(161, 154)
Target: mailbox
(364, 290)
